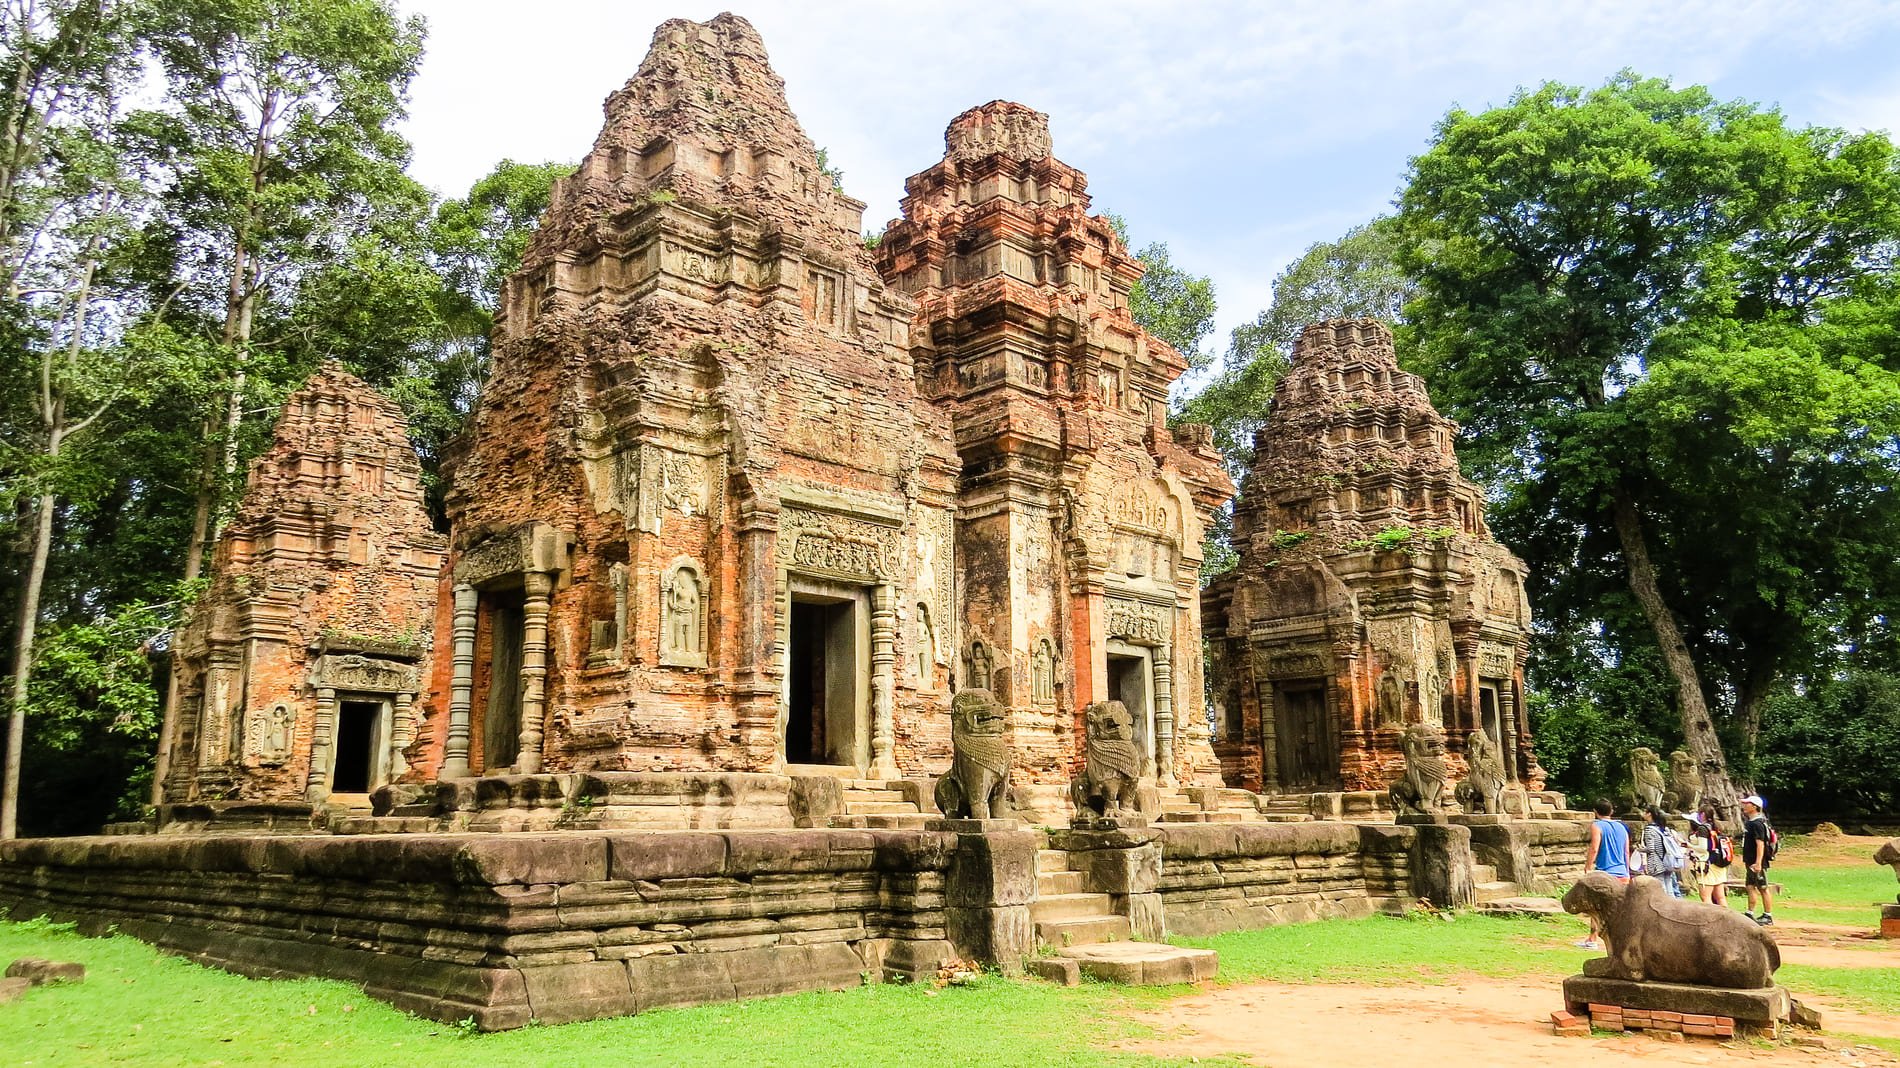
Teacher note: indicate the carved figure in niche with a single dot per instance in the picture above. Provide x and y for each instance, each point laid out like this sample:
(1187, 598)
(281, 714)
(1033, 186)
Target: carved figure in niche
(926, 649)
(1111, 771)
(980, 665)
(1685, 783)
(1431, 698)
(1646, 777)
(274, 735)
(1422, 789)
(683, 623)
(1483, 787)
(1390, 703)
(1042, 672)
(1652, 937)
(977, 786)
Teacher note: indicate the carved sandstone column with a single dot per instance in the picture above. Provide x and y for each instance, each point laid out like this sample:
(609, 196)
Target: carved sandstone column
(1507, 726)
(402, 731)
(322, 732)
(883, 681)
(1164, 716)
(461, 686)
(538, 586)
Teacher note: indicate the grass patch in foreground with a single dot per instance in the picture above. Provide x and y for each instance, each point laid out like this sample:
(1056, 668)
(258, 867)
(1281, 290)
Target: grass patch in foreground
(1391, 950)
(1873, 989)
(138, 1006)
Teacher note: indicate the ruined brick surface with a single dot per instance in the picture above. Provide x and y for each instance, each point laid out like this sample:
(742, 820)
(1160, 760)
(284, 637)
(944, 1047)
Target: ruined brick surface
(323, 589)
(1080, 513)
(1331, 641)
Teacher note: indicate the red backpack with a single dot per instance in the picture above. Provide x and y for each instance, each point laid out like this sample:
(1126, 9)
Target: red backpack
(1721, 850)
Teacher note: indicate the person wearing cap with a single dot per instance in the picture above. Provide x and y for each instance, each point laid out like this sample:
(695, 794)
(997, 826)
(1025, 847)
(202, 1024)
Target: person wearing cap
(1755, 855)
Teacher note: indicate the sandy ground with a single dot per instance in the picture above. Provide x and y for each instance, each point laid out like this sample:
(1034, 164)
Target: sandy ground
(1483, 1021)
(1477, 1023)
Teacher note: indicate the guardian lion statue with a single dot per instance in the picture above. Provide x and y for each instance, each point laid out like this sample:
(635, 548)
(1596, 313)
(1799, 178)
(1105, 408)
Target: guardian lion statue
(1646, 777)
(977, 786)
(1482, 789)
(1111, 773)
(1685, 783)
(1422, 789)
(1652, 937)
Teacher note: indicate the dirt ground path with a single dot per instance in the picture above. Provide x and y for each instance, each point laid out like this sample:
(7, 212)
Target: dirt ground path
(1478, 1022)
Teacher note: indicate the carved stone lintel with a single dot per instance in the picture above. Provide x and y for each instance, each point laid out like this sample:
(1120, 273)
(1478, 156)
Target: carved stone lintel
(1138, 622)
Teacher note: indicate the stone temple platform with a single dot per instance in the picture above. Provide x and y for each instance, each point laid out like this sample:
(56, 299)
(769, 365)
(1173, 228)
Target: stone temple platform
(562, 925)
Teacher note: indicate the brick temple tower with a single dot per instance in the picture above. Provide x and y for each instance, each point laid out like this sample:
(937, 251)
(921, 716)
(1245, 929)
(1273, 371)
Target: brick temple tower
(702, 521)
(1080, 513)
(1370, 595)
(297, 672)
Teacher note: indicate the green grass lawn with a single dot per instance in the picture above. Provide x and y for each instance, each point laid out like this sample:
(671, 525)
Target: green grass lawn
(1387, 950)
(138, 1006)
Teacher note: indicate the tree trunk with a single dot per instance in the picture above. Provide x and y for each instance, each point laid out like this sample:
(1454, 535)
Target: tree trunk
(1698, 729)
(23, 658)
(1749, 700)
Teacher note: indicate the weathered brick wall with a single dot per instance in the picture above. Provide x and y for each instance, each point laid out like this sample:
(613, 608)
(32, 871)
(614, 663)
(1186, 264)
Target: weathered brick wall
(1228, 877)
(504, 927)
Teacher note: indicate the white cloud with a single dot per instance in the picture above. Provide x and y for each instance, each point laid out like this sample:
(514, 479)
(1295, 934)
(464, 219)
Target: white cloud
(1239, 133)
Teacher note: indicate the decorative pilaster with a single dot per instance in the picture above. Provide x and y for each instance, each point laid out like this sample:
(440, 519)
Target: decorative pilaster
(1164, 716)
(461, 686)
(402, 732)
(538, 587)
(322, 738)
(1507, 726)
(883, 681)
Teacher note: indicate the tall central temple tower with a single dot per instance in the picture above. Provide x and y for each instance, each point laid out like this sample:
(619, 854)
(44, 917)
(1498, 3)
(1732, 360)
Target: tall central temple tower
(1080, 513)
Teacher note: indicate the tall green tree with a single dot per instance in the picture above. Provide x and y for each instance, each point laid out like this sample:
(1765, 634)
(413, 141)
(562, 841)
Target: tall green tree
(1356, 275)
(286, 113)
(1653, 313)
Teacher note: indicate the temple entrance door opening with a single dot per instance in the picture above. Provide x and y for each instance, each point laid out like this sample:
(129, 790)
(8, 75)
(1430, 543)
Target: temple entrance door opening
(501, 712)
(1300, 735)
(828, 677)
(1488, 711)
(1131, 681)
(362, 739)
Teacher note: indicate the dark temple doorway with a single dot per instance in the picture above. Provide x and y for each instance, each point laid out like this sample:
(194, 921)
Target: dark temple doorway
(356, 723)
(1305, 759)
(1128, 679)
(823, 682)
(501, 713)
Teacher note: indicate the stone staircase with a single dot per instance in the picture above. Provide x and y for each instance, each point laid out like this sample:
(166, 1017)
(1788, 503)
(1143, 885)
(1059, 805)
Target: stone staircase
(1494, 896)
(881, 804)
(1206, 804)
(1088, 938)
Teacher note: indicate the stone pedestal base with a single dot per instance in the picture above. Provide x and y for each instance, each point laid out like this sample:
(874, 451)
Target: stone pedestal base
(1669, 1006)
(1890, 921)
(1110, 823)
(972, 826)
(1478, 819)
(1421, 819)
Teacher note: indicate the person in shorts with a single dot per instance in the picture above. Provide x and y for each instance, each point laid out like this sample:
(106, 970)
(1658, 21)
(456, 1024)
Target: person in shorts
(1755, 834)
(1718, 853)
(1609, 854)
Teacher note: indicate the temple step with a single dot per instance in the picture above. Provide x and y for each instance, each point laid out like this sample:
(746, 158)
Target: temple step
(862, 797)
(1051, 883)
(1144, 963)
(1483, 873)
(1068, 907)
(881, 808)
(1052, 860)
(1087, 931)
(1493, 890)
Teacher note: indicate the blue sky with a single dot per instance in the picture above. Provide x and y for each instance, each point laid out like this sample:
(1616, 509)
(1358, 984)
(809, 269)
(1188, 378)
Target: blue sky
(1237, 133)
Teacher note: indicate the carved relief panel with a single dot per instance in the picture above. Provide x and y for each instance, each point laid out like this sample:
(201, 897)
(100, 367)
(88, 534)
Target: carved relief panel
(828, 544)
(683, 615)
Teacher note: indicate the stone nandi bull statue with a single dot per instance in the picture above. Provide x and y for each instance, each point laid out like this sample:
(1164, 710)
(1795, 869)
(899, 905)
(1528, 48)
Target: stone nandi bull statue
(1652, 937)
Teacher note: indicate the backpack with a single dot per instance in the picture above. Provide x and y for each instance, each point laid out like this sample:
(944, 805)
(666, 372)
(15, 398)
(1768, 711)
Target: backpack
(1772, 846)
(1674, 859)
(1721, 850)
